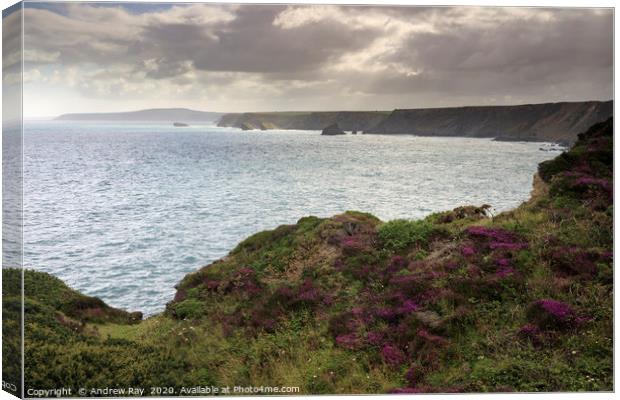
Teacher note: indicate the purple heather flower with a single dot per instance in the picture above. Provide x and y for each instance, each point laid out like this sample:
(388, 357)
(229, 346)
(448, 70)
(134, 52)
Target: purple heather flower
(507, 246)
(348, 341)
(392, 355)
(408, 306)
(357, 311)
(504, 272)
(548, 313)
(452, 265)
(423, 333)
(529, 330)
(503, 262)
(398, 261)
(403, 280)
(412, 375)
(374, 338)
(405, 390)
(386, 313)
(468, 251)
(559, 310)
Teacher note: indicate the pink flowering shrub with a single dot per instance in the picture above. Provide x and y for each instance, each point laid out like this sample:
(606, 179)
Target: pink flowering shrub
(392, 356)
(532, 333)
(574, 261)
(348, 341)
(468, 251)
(412, 375)
(375, 338)
(551, 314)
(505, 272)
(496, 238)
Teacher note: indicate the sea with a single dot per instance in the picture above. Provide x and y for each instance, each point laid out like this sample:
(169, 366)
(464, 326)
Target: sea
(124, 211)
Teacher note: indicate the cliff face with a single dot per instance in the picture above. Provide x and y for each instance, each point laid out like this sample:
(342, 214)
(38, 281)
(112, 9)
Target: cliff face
(347, 120)
(457, 302)
(538, 122)
(530, 122)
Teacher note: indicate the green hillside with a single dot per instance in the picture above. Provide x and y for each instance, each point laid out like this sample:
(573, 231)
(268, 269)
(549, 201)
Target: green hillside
(460, 301)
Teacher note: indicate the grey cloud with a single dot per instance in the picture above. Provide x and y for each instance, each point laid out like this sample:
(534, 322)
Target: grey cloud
(466, 54)
(251, 43)
(518, 56)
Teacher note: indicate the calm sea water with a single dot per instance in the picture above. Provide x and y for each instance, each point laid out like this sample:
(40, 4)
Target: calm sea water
(124, 211)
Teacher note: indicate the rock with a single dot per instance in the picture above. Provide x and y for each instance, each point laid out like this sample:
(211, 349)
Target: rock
(179, 124)
(353, 132)
(333, 129)
(135, 316)
(246, 126)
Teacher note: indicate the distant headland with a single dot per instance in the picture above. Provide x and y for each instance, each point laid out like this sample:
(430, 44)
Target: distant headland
(556, 122)
(152, 114)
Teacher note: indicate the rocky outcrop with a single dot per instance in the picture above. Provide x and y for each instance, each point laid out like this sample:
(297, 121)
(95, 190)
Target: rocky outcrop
(247, 126)
(332, 130)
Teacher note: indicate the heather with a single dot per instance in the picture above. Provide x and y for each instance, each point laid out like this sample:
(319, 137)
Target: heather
(462, 301)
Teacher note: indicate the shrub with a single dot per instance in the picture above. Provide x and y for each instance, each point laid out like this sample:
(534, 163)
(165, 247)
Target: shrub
(552, 314)
(400, 234)
(392, 356)
(188, 309)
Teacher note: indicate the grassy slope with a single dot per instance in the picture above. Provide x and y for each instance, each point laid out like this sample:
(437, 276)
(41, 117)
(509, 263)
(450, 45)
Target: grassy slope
(455, 302)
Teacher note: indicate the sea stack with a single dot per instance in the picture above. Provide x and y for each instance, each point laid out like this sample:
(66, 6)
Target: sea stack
(179, 124)
(333, 129)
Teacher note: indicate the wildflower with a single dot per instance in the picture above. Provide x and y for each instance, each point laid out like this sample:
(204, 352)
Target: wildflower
(405, 390)
(549, 313)
(374, 338)
(348, 341)
(387, 314)
(398, 261)
(505, 272)
(408, 307)
(412, 375)
(503, 262)
(438, 340)
(392, 355)
(468, 251)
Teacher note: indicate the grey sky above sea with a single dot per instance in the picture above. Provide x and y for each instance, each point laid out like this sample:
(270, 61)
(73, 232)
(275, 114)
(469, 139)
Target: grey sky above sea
(87, 57)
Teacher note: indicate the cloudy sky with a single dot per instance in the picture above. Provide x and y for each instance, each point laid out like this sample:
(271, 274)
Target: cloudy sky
(96, 57)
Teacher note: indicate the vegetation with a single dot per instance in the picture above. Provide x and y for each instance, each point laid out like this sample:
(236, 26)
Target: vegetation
(457, 302)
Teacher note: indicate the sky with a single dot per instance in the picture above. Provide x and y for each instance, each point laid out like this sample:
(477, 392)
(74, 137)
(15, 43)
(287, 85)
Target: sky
(88, 57)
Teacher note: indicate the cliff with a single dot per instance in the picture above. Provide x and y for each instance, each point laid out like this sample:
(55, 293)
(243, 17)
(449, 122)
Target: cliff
(457, 302)
(347, 120)
(536, 122)
(531, 122)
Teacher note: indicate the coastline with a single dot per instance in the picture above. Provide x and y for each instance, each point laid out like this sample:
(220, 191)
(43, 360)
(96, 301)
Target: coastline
(308, 290)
